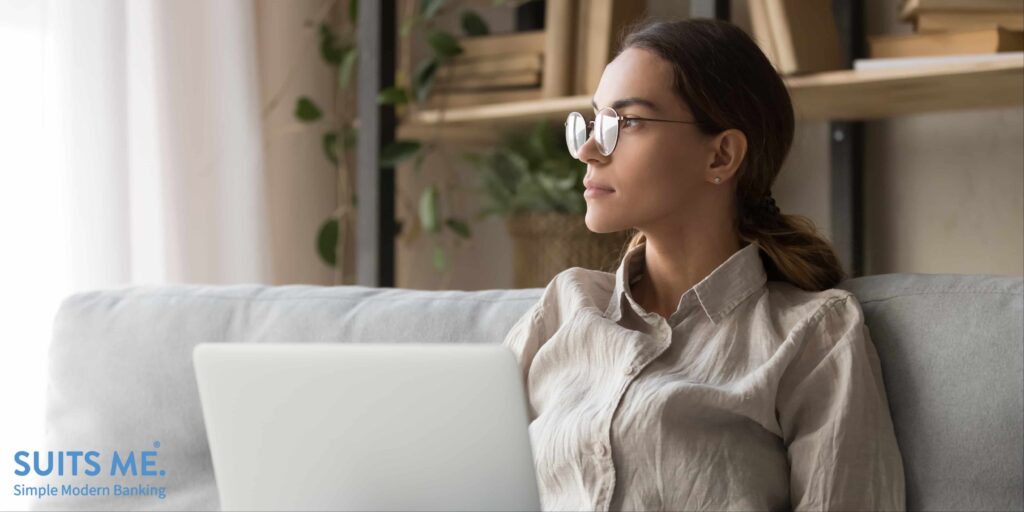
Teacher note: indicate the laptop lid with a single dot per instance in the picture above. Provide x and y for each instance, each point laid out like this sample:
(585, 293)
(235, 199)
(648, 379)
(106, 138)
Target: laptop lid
(359, 426)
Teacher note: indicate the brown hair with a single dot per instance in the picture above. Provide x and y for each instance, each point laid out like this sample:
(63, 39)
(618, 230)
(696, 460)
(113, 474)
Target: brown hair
(727, 82)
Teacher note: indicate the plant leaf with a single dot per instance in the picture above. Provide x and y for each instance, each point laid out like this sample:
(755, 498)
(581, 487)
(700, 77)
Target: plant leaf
(330, 146)
(398, 151)
(473, 24)
(394, 95)
(424, 80)
(347, 66)
(306, 110)
(440, 260)
(530, 171)
(459, 226)
(428, 209)
(330, 49)
(353, 10)
(327, 241)
(444, 44)
(428, 8)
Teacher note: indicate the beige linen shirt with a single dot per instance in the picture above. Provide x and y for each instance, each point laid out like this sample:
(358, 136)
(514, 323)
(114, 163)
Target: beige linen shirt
(752, 395)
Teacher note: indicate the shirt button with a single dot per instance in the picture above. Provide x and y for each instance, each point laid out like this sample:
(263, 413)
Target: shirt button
(600, 449)
(631, 370)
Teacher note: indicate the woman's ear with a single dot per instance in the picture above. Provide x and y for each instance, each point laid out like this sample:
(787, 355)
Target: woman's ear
(727, 151)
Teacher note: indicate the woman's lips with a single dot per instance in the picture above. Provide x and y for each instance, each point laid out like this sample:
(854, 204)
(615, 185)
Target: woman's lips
(594, 192)
(594, 189)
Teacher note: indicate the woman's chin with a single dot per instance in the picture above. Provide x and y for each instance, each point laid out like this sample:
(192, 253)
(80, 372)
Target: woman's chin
(598, 225)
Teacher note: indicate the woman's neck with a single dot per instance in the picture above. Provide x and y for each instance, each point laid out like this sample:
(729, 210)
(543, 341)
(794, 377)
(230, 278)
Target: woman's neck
(671, 269)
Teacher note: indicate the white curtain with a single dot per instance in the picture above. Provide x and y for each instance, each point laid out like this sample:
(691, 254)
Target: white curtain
(130, 153)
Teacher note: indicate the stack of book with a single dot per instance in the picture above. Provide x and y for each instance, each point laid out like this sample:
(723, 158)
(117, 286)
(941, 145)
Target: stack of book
(955, 27)
(492, 69)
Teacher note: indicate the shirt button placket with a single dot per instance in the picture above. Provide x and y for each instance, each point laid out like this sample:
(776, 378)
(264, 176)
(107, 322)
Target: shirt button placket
(603, 464)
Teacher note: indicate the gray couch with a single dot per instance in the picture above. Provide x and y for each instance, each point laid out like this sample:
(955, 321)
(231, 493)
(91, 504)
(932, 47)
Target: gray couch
(951, 346)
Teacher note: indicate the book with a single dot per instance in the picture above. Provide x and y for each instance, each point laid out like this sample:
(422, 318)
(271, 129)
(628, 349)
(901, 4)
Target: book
(502, 44)
(762, 32)
(988, 40)
(473, 99)
(559, 47)
(797, 36)
(495, 81)
(907, 62)
(944, 20)
(496, 65)
(598, 35)
(911, 8)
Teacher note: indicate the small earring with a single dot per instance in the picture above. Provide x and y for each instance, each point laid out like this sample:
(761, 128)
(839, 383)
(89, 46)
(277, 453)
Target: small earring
(718, 179)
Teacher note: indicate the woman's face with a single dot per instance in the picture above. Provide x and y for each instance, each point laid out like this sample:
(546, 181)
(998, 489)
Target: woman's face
(657, 170)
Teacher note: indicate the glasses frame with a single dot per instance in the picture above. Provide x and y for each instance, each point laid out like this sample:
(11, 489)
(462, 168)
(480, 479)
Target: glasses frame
(589, 127)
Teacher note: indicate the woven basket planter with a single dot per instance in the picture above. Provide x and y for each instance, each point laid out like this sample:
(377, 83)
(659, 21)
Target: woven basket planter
(545, 244)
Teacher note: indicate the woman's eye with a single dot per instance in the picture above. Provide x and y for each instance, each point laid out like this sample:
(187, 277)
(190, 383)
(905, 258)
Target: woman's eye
(629, 121)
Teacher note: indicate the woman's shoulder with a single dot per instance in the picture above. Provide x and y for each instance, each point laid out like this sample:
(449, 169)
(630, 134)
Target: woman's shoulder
(811, 309)
(575, 288)
(786, 294)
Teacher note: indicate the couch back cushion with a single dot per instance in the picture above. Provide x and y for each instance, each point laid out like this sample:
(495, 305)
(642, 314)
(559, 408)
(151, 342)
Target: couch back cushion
(121, 375)
(952, 354)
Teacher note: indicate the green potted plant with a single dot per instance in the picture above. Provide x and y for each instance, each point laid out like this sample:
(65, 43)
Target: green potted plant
(533, 181)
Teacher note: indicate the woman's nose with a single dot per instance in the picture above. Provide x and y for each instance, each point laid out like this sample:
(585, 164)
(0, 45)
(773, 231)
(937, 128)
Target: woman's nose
(589, 152)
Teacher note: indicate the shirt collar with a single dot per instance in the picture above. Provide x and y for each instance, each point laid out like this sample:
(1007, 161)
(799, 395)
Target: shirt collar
(717, 294)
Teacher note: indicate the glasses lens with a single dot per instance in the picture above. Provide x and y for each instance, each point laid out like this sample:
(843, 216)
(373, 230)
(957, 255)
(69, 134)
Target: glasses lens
(606, 130)
(575, 133)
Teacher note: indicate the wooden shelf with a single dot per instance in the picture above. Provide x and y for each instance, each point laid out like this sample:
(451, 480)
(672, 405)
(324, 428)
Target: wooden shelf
(837, 95)
(853, 95)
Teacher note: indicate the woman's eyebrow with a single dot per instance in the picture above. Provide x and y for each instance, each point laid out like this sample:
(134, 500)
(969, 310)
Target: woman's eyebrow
(625, 102)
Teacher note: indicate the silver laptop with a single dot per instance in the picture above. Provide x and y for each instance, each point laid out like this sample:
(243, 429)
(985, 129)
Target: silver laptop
(359, 426)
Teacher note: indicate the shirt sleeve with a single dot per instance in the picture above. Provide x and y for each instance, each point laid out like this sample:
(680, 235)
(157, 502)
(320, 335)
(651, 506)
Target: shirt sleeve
(834, 415)
(528, 333)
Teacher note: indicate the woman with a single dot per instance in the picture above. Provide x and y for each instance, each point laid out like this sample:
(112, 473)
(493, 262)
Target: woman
(718, 368)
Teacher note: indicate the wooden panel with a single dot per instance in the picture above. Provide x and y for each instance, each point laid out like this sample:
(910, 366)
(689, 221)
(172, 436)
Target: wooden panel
(873, 94)
(547, 108)
(462, 133)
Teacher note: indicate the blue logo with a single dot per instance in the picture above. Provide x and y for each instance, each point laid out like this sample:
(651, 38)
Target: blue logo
(89, 463)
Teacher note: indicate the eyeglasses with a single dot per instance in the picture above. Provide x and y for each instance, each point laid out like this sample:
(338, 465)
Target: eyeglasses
(606, 126)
